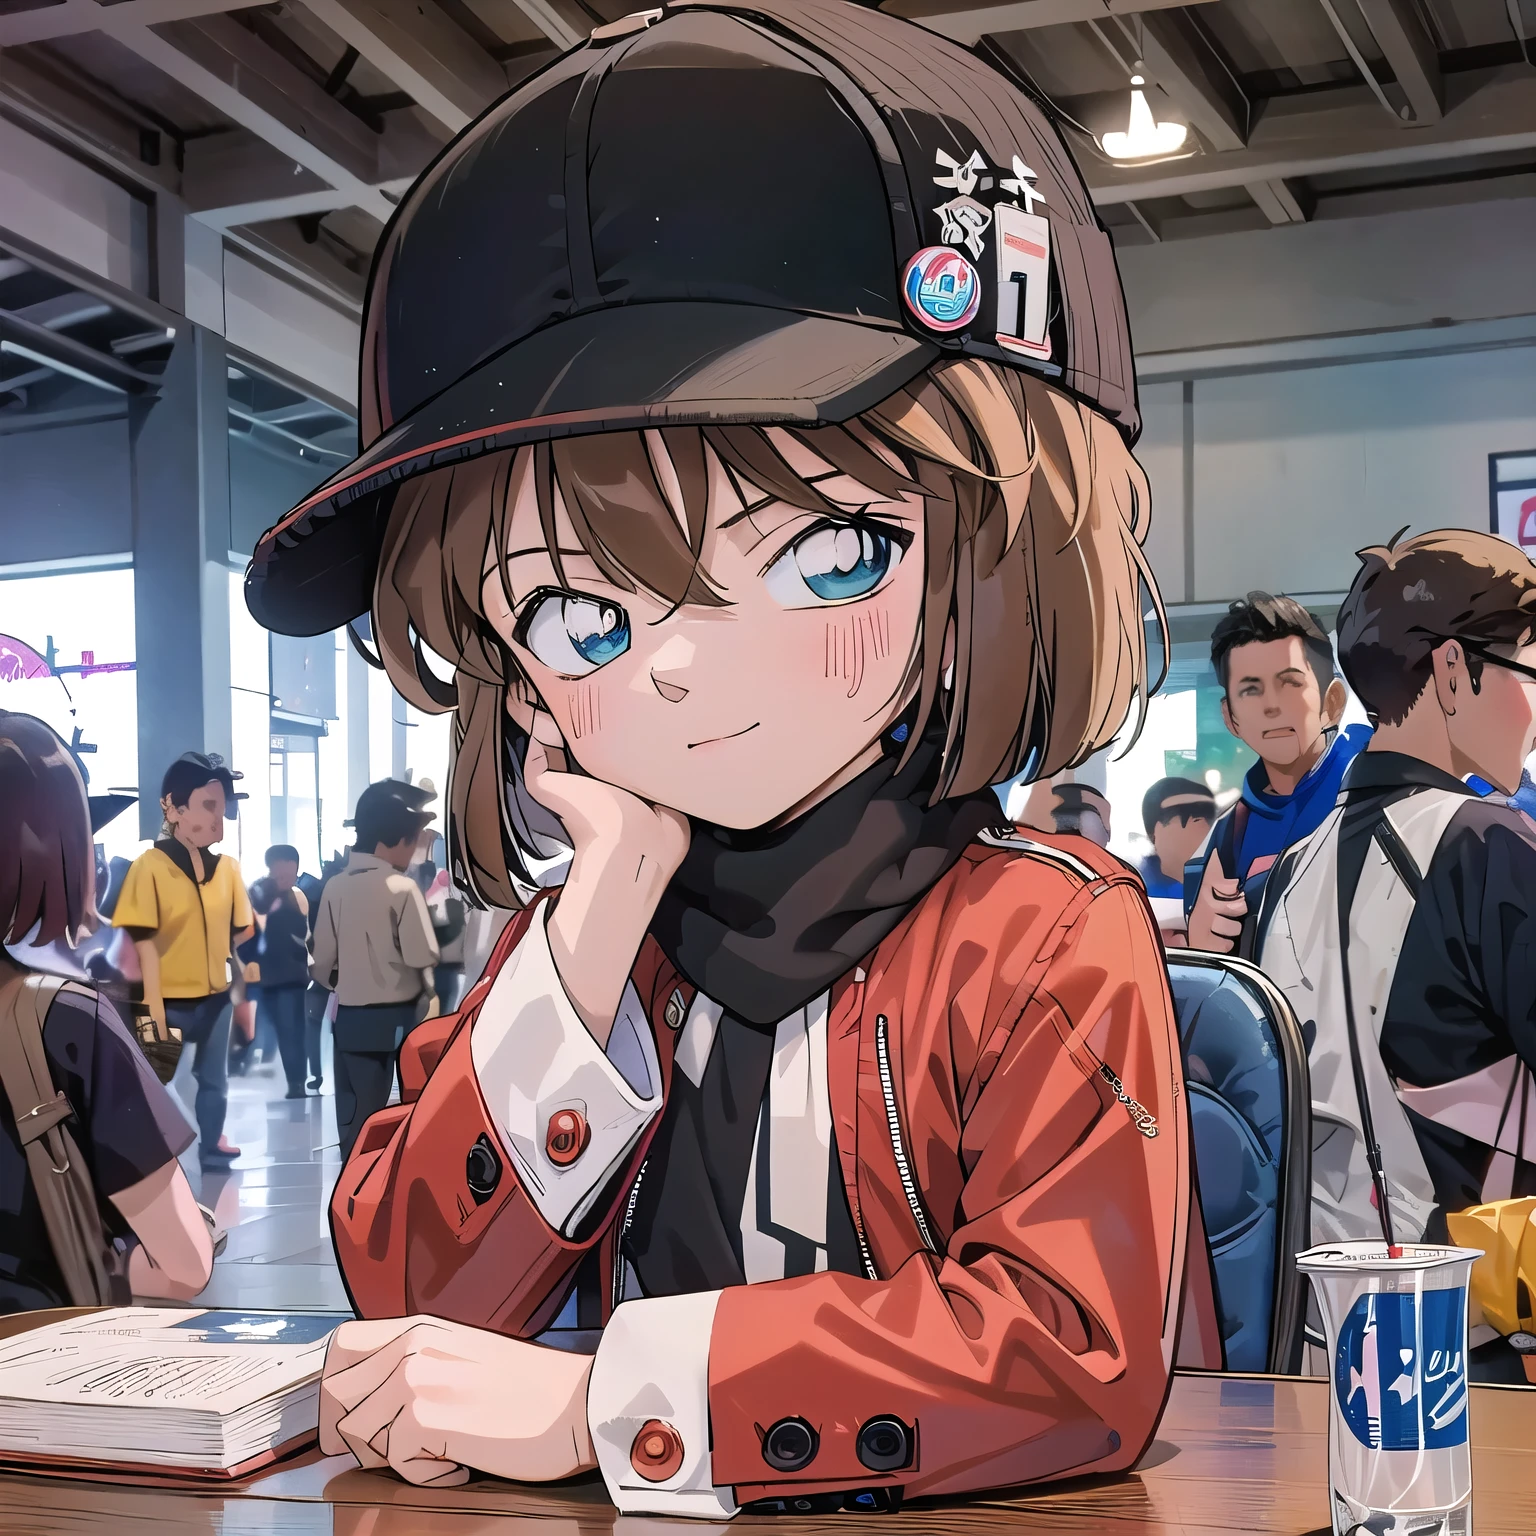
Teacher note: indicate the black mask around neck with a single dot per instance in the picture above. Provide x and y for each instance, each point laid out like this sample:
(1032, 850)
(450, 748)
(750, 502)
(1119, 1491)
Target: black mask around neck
(764, 921)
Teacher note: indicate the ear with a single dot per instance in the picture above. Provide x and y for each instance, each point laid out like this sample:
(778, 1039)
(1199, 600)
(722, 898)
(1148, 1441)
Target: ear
(1335, 699)
(167, 806)
(1450, 676)
(1226, 717)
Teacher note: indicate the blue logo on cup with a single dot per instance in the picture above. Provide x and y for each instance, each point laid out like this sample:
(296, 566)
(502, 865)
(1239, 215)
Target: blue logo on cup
(1400, 1371)
(941, 288)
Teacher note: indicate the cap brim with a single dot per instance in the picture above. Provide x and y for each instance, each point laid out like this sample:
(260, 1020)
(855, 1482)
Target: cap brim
(641, 365)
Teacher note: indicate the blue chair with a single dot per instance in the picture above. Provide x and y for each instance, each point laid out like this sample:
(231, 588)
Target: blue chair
(1245, 1064)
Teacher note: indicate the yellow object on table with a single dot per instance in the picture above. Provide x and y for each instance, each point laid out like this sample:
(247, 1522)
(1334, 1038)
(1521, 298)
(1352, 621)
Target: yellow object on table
(1504, 1279)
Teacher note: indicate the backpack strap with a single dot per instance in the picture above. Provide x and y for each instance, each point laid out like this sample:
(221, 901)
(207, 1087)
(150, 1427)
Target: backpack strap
(1391, 843)
(65, 1191)
(1346, 901)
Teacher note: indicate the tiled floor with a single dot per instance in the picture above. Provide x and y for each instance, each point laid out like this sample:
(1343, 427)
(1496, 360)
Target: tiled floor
(273, 1199)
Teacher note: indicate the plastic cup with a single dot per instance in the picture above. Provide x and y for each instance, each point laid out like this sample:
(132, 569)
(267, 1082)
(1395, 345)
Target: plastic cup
(1399, 1454)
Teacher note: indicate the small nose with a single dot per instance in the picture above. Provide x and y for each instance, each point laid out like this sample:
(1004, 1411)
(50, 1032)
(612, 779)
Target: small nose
(672, 659)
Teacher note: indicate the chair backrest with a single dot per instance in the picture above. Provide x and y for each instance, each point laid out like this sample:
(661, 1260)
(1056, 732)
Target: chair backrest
(1245, 1064)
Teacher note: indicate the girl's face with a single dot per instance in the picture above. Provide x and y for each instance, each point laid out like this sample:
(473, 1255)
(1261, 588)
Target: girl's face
(738, 714)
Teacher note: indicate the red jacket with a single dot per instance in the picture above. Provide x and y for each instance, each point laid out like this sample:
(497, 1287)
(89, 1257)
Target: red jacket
(1031, 1254)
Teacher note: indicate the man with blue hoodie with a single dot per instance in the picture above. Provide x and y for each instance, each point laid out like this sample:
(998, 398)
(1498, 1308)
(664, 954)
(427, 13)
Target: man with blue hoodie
(1283, 700)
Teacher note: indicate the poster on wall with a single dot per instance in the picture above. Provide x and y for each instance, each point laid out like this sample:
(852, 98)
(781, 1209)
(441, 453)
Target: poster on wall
(1512, 497)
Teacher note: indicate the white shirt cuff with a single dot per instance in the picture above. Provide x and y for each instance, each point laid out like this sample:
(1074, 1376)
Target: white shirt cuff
(653, 1364)
(534, 1057)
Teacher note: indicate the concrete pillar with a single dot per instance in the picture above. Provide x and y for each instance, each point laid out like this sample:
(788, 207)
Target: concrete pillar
(179, 450)
(357, 727)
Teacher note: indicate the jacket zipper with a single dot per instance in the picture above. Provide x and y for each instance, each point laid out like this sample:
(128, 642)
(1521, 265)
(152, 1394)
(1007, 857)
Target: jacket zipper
(898, 1146)
(618, 1247)
(869, 1263)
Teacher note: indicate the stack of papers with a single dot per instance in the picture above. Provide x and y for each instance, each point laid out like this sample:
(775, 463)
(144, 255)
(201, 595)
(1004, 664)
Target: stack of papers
(161, 1388)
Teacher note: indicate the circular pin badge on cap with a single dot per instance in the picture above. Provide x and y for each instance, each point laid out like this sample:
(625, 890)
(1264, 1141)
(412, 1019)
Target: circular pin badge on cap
(941, 288)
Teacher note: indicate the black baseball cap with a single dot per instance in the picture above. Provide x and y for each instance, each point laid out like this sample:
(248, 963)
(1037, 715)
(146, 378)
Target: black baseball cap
(387, 792)
(778, 211)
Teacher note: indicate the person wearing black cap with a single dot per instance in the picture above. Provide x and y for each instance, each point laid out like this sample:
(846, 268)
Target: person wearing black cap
(186, 909)
(747, 406)
(374, 948)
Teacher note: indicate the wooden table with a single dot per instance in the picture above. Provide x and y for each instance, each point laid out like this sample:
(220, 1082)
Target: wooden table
(1234, 1453)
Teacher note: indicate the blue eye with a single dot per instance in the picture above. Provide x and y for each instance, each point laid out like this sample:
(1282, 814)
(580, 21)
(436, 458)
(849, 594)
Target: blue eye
(830, 563)
(573, 635)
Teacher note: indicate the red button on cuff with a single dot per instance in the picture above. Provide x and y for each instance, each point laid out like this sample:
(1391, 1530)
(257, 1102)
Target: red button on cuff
(657, 1452)
(566, 1137)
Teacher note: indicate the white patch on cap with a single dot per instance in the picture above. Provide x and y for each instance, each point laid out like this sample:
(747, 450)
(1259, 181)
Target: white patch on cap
(965, 222)
(1023, 281)
(1019, 185)
(963, 175)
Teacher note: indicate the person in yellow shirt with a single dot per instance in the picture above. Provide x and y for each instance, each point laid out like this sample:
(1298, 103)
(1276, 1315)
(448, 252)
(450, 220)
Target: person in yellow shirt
(185, 907)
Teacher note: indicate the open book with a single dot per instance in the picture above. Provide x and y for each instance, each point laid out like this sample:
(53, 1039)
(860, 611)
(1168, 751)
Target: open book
(160, 1389)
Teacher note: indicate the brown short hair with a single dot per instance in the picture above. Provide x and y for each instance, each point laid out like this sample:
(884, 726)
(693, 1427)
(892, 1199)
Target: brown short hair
(1410, 597)
(47, 859)
(1035, 515)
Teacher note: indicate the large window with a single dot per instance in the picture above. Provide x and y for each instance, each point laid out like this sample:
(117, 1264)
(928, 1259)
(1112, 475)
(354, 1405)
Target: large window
(67, 656)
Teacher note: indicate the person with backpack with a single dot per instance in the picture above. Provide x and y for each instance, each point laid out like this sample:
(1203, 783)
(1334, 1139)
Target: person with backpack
(1281, 699)
(1403, 930)
(94, 1206)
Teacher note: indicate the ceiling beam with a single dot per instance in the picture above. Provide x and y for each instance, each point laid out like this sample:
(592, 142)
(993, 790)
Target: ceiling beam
(154, 316)
(1181, 61)
(278, 87)
(223, 173)
(970, 26)
(551, 23)
(1278, 203)
(230, 179)
(444, 70)
(73, 17)
(88, 128)
(248, 86)
(1411, 53)
(37, 344)
(1487, 112)
(281, 245)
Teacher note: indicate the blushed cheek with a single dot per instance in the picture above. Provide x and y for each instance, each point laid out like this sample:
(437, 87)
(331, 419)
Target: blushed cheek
(858, 639)
(583, 710)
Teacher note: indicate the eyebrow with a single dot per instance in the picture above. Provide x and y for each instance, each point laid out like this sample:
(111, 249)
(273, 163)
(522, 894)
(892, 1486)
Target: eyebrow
(540, 549)
(1283, 672)
(765, 500)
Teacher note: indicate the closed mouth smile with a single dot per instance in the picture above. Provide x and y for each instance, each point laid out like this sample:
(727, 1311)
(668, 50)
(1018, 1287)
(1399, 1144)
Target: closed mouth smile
(710, 741)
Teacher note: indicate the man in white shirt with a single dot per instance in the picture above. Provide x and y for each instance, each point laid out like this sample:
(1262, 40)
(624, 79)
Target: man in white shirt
(375, 949)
